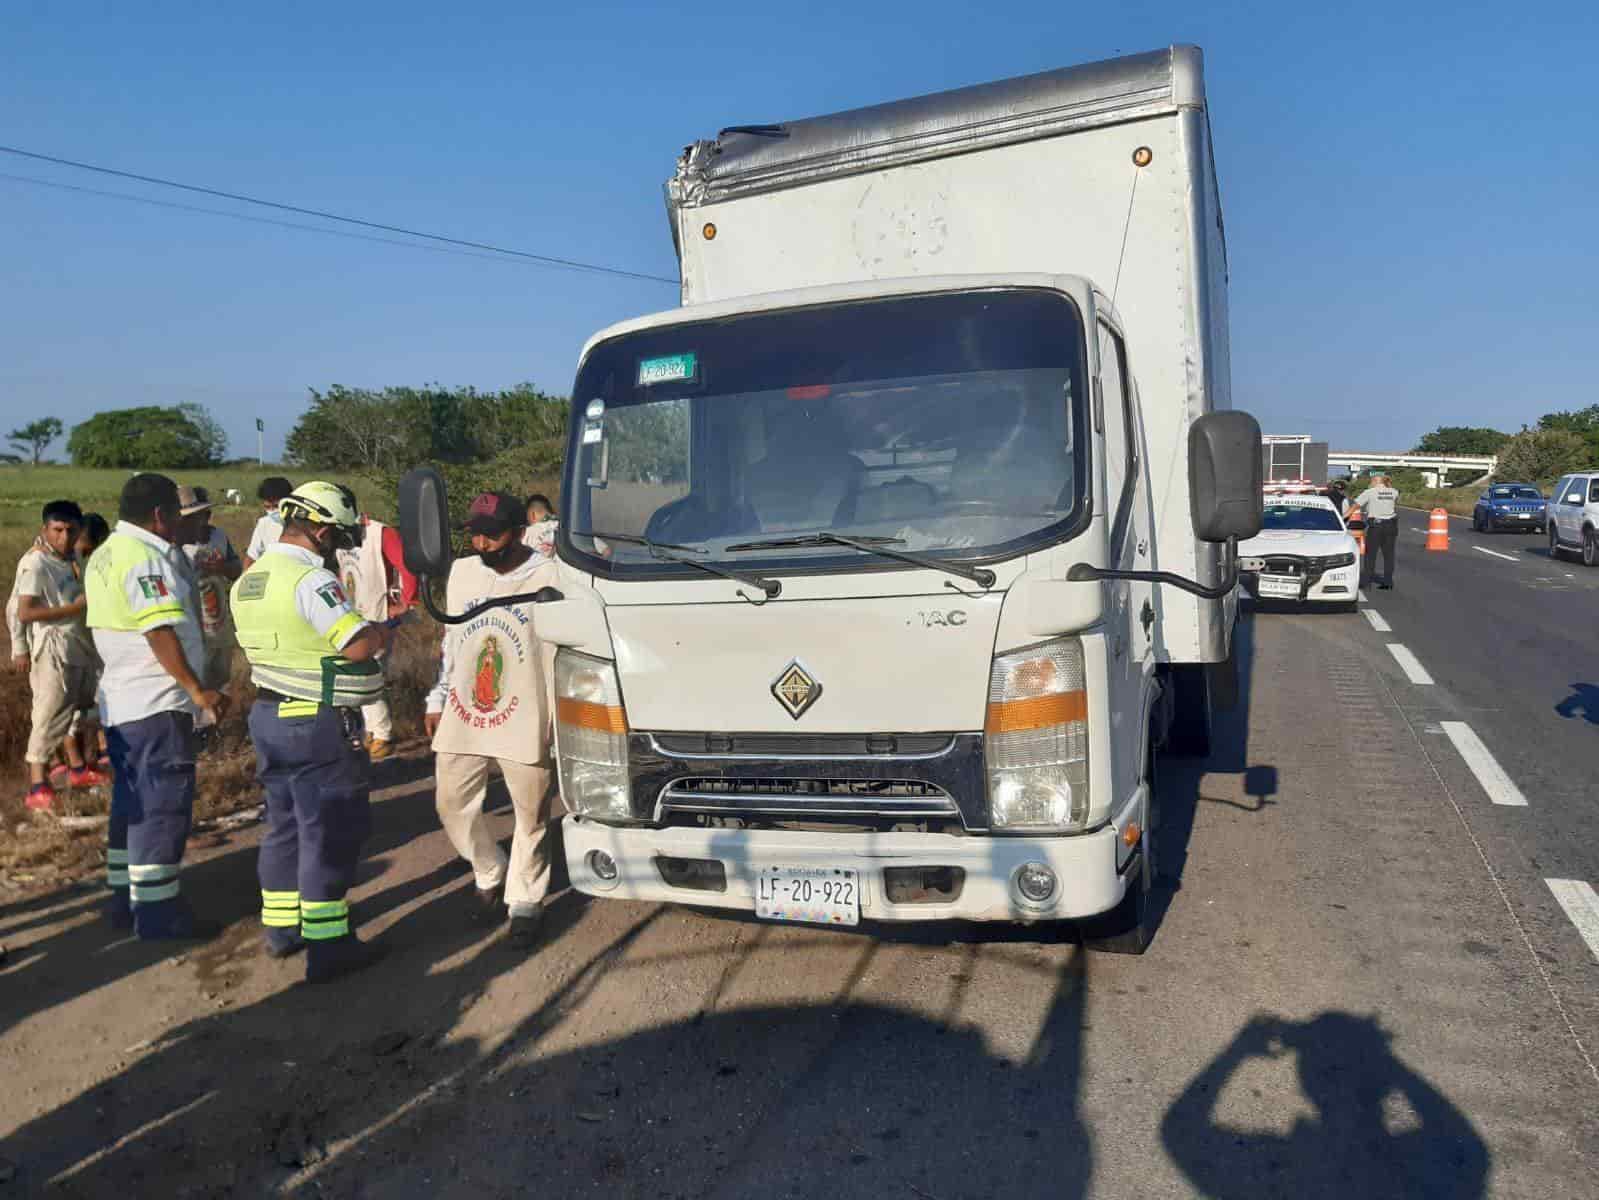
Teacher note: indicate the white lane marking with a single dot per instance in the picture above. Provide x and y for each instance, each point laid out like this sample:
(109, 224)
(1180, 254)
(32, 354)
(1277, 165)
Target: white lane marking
(1582, 906)
(1378, 621)
(1362, 594)
(1496, 554)
(1409, 664)
(1417, 529)
(1483, 765)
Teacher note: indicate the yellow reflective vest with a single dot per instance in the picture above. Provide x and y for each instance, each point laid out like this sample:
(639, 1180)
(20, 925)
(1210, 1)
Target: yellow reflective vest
(287, 655)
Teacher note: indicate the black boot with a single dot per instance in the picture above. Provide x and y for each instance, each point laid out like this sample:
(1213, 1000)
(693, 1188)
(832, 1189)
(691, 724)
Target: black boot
(281, 943)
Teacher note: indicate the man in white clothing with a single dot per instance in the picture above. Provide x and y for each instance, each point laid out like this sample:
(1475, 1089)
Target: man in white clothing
(273, 491)
(216, 565)
(365, 576)
(541, 526)
(490, 705)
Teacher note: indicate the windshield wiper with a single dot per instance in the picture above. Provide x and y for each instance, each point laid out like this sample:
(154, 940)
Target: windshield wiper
(680, 554)
(981, 576)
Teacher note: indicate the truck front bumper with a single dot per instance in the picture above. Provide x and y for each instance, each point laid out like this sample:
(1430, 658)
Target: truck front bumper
(1086, 867)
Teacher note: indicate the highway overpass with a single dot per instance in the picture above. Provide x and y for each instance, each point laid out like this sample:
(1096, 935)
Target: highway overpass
(1442, 469)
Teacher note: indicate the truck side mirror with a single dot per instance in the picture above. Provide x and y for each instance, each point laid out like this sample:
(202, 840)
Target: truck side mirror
(425, 523)
(1224, 476)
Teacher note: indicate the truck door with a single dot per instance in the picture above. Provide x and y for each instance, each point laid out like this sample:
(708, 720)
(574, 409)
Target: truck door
(1131, 617)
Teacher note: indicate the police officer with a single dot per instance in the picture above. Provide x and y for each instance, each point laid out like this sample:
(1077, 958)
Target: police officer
(313, 660)
(146, 627)
(1380, 505)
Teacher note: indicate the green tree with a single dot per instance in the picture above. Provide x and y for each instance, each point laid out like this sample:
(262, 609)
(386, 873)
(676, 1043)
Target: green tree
(1539, 455)
(36, 436)
(400, 427)
(1461, 439)
(149, 438)
(1584, 422)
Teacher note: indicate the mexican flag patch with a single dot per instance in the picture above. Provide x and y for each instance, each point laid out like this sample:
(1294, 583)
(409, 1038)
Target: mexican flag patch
(332, 594)
(153, 587)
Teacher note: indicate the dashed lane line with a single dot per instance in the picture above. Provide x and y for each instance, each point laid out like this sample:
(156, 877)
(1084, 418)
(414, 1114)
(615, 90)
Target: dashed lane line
(1496, 554)
(1361, 592)
(1409, 664)
(1581, 903)
(1377, 620)
(1483, 765)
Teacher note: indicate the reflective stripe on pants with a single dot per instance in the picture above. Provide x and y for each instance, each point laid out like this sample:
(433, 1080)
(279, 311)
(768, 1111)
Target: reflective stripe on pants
(313, 770)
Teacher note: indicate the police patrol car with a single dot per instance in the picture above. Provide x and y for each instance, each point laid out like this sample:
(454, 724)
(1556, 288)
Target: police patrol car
(1303, 553)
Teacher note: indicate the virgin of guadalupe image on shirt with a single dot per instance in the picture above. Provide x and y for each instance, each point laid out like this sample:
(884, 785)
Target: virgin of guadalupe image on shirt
(486, 678)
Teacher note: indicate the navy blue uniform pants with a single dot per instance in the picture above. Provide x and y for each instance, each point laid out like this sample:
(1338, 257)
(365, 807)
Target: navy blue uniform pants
(152, 806)
(314, 769)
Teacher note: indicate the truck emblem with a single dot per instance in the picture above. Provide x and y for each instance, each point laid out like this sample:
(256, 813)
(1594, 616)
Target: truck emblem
(796, 689)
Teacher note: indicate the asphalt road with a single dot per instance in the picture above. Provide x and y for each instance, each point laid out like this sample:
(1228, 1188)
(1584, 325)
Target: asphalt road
(1361, 986)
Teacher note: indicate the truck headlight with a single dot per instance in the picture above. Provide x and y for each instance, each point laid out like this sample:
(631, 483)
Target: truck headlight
(591, 736)
(1036, 739)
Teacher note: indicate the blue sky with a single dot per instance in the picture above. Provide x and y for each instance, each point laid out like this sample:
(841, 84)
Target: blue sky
(1410, 192)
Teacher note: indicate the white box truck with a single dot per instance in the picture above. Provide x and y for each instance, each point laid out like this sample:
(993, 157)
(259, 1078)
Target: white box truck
(889, 558)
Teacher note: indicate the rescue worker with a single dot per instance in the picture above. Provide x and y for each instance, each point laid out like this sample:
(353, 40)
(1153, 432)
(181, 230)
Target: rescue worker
(270, 523)
(313, 662)
(491, 705)
(146, 627)
(1380, 505)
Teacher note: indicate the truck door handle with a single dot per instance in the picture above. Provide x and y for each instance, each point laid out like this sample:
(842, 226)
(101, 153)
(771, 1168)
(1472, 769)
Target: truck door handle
(1147, 616)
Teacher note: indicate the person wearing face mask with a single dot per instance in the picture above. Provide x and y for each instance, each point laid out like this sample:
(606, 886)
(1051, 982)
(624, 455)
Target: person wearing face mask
(313, 660)
(491, 705)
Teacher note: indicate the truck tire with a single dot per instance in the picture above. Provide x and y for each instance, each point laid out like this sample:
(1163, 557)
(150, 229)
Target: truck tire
(1191, 713)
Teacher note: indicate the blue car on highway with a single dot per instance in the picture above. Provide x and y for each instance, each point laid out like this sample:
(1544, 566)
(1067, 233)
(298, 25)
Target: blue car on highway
(1510, 506)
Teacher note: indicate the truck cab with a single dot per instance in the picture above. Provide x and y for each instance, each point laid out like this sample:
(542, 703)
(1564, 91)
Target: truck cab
(878, 590)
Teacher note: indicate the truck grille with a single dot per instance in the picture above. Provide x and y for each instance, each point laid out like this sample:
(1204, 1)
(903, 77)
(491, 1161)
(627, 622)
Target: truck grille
(807, 797)
(803, 745)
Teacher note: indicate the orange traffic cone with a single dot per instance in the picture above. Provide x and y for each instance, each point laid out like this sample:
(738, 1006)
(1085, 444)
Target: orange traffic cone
(1438, 530)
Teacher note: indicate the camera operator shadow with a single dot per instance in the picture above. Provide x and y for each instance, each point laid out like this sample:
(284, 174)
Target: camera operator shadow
(1379, 1130)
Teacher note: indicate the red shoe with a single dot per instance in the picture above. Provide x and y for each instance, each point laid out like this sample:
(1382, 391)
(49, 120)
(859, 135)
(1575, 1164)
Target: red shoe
(87, 777)
(41, 797)
(58, 774)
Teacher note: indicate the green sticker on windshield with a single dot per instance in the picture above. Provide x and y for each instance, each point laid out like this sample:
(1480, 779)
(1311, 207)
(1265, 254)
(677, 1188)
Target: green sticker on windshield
(673, 368)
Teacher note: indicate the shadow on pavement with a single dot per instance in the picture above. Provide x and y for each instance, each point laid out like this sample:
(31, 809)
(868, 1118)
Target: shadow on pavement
(87, 953)
(1583, 702)
(1371, 1128)
(827, 1100)
(1179, 780)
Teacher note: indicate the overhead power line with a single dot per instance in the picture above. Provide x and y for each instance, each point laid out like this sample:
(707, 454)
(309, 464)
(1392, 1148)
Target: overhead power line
(301, 210)
(255, 220)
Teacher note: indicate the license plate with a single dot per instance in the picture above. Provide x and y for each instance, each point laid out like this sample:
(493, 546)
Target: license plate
(1523, 516)
(819, 895)
(1279, 585)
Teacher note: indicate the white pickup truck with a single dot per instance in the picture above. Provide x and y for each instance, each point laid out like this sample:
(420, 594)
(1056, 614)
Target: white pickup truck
(890, 557)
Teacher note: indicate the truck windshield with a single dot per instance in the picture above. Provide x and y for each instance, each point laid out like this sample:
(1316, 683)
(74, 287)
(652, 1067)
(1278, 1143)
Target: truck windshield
(947, 425)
